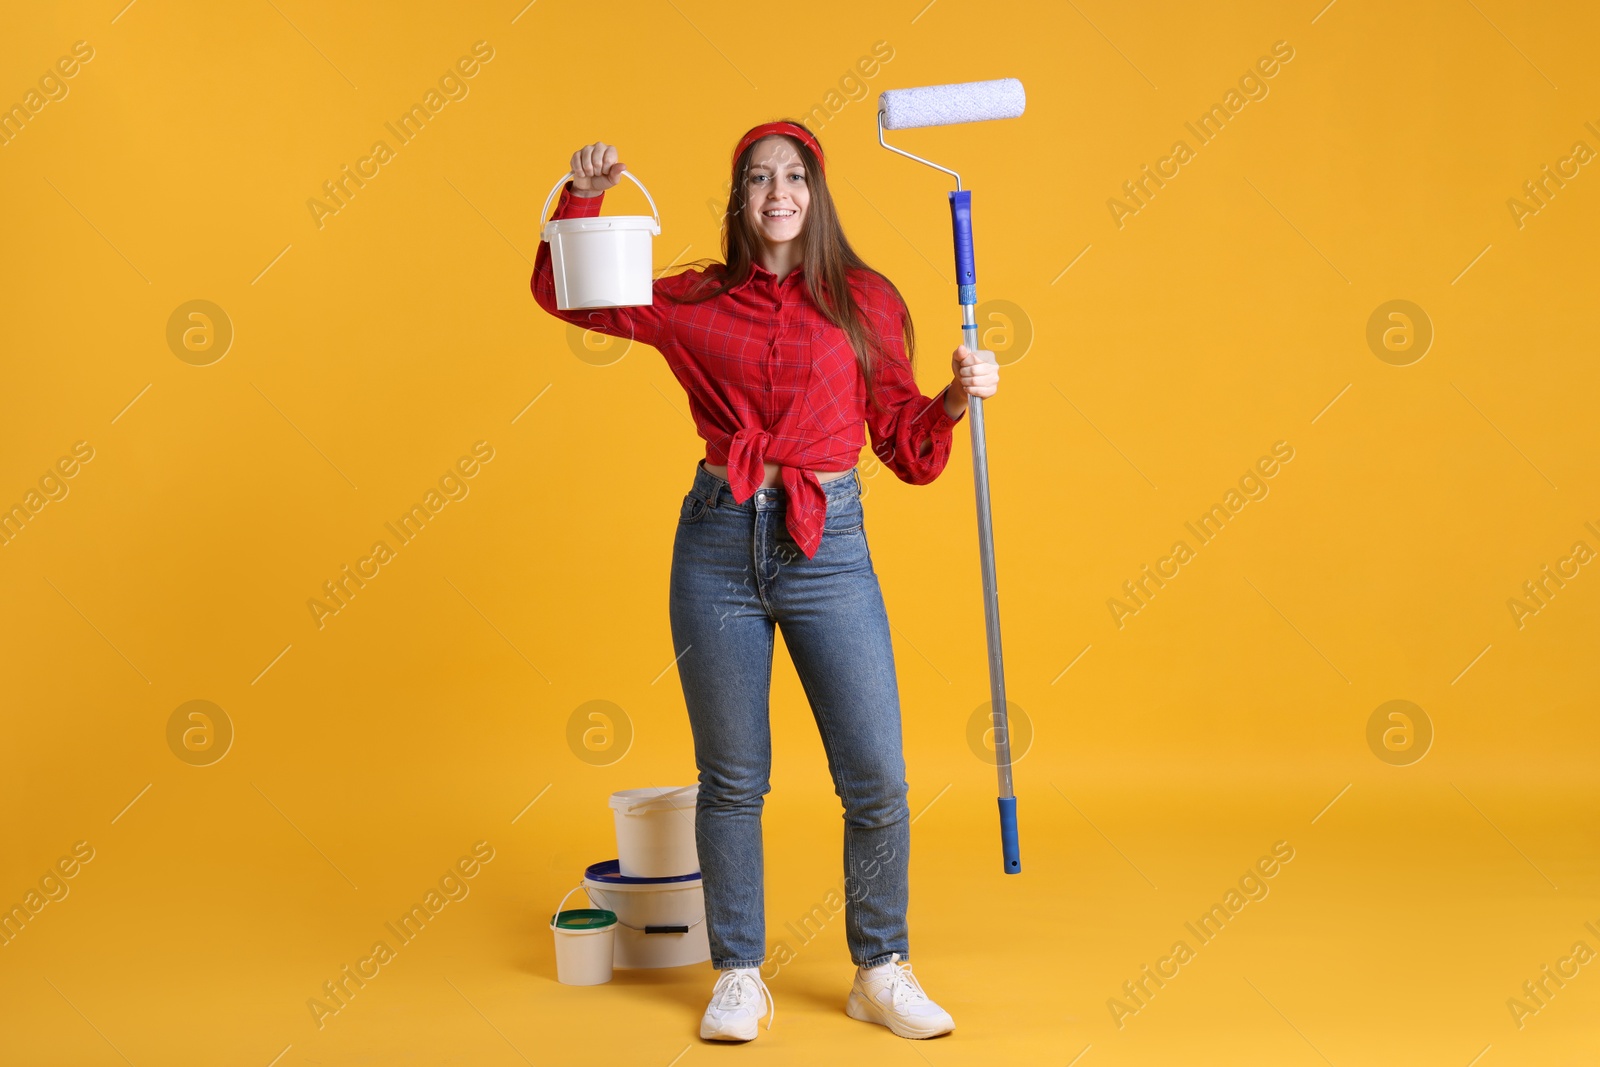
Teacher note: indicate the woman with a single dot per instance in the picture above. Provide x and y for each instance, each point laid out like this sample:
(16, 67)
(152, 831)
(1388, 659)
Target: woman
(785, 350)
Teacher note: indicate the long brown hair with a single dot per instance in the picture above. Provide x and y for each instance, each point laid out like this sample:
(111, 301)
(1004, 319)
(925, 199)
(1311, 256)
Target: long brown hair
(826, 257)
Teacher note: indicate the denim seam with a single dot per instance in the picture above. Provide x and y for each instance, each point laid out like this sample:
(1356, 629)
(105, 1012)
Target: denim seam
(755, 552)
(771, 646)
(835, 761)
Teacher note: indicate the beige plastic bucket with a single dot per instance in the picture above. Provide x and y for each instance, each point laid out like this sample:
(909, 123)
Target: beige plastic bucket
(661, 922)
(603, 261)
(586, 942)
(655, 831)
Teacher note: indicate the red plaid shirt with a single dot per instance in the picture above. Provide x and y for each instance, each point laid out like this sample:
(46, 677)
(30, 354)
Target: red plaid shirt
(770, 378)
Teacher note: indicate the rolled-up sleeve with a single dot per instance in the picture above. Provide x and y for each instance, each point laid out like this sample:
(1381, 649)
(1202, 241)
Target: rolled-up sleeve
(649, 324)
(912, 434)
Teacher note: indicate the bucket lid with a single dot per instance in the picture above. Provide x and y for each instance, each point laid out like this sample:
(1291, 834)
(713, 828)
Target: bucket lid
(583, 919)
(655, 798)
(608, 872)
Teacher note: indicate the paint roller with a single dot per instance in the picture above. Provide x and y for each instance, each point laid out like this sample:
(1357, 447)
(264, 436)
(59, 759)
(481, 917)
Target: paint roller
(946, 105)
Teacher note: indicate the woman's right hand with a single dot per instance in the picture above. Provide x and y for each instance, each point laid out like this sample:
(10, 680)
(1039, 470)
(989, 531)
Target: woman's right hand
(595, 169)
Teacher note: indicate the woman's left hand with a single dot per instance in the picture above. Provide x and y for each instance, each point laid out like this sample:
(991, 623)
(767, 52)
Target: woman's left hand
(973, 376)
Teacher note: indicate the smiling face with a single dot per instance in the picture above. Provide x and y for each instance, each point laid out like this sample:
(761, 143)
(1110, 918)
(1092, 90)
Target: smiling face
(776, 196)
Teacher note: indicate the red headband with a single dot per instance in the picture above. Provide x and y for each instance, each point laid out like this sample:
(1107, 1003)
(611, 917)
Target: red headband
(769, 128)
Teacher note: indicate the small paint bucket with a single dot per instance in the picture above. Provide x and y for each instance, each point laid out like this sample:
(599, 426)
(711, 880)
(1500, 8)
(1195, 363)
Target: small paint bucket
(602, 261)
(585, 943)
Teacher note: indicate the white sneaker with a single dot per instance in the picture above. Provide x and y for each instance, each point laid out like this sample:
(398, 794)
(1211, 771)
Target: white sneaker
(738, 1001)
(890, 995)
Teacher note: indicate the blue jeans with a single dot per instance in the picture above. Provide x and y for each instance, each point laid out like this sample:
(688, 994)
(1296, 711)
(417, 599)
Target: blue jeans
(736, 575)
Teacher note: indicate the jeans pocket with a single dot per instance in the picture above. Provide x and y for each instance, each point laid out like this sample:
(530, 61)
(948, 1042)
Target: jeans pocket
(845, 515)
(693, 510)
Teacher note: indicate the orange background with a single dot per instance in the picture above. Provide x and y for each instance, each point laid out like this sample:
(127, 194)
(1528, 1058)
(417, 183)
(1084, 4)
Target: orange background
(1148, 366)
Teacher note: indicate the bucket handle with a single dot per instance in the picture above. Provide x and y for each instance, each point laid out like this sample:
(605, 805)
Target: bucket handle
(626, 174)
(679, 928)
(563, 903)
(657, 802)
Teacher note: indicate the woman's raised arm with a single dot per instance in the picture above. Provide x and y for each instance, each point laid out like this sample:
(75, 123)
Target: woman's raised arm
(596, 168)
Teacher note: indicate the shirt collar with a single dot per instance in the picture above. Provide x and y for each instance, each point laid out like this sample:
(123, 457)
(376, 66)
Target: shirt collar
(757, 269)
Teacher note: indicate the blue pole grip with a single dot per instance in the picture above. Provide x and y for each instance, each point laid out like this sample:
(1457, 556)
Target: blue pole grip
(1008, 835)
(961, 223)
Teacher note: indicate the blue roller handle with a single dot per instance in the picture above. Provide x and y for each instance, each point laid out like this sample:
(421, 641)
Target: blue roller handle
(967, 285)
(961, 220)
(1008, 835)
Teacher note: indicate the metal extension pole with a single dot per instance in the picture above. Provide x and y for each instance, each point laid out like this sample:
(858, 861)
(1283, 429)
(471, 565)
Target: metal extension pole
(961, 220)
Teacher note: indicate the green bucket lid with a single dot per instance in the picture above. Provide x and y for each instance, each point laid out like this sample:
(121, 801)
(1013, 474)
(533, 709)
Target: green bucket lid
(583, 919)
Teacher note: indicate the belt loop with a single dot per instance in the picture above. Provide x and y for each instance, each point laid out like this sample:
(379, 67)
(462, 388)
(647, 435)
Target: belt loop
(706, 477)
(856, 471)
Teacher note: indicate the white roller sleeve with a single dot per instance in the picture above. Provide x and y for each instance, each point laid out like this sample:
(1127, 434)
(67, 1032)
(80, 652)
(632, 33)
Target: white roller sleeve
(946, 105)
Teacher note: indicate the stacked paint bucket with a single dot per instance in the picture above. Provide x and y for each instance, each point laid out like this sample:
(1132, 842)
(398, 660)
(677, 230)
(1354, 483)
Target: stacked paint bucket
(650, 906)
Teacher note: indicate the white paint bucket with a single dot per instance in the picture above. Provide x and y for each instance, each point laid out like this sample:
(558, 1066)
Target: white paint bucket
(586, 941)
(655, 831)
(602, 261)
(661, 922)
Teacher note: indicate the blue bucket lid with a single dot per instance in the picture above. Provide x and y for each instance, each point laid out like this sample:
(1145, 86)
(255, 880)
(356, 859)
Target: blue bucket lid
(609, 872)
